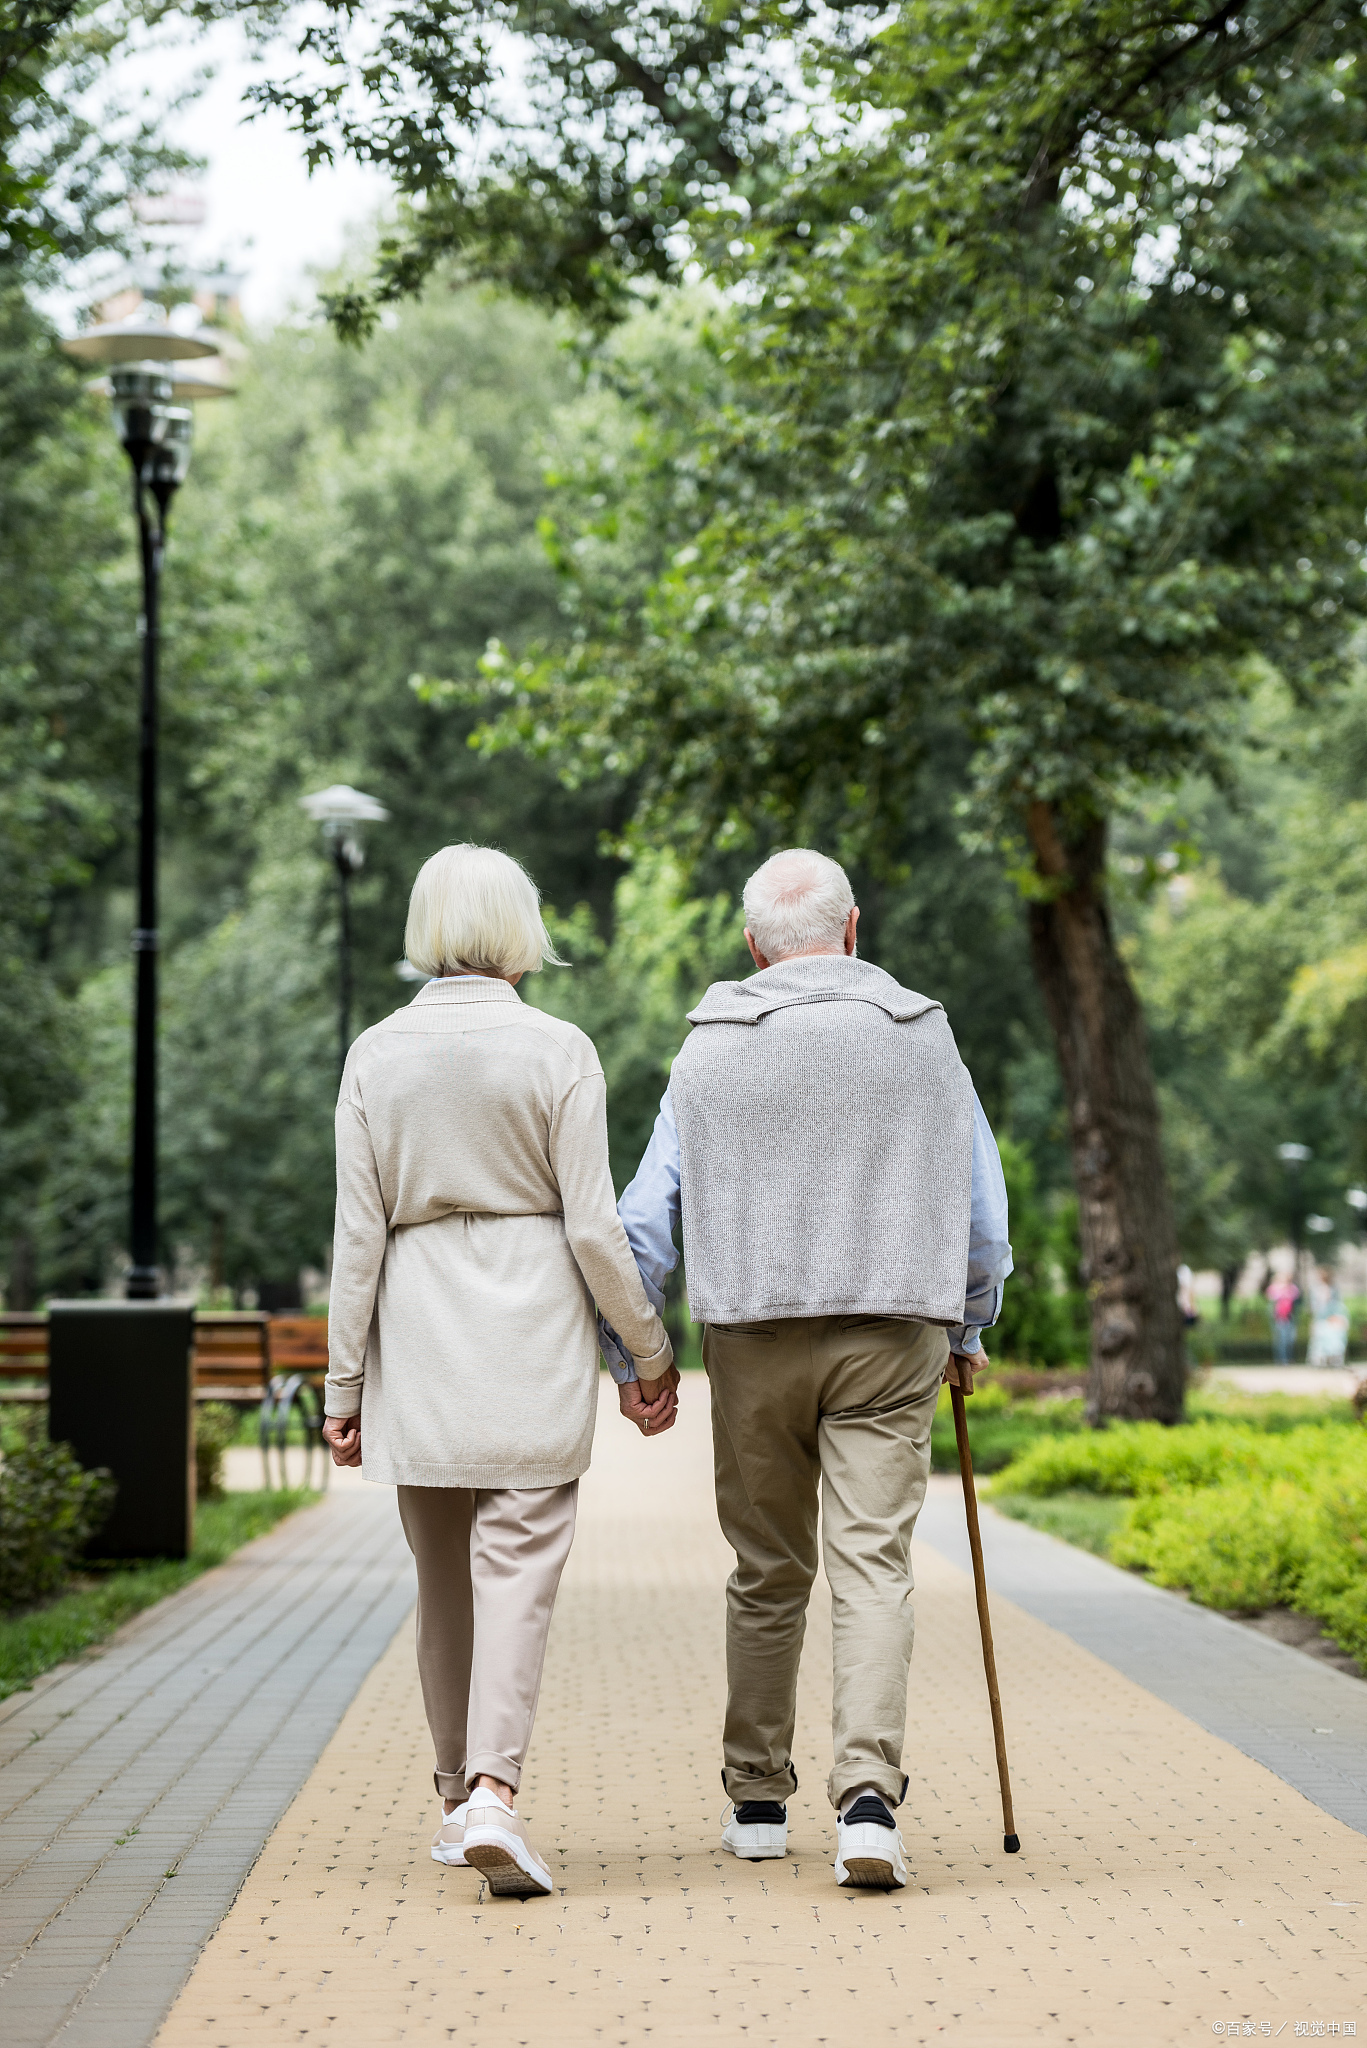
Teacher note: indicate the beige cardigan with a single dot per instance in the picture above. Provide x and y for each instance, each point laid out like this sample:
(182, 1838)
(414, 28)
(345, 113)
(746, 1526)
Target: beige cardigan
(476, 1227)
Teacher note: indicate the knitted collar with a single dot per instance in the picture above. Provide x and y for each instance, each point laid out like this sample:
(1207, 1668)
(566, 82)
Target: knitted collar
(467, 990)
(816, 978)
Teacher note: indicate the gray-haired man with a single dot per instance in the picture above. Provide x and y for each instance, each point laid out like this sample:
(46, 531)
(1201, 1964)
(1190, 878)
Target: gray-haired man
(844, 1225)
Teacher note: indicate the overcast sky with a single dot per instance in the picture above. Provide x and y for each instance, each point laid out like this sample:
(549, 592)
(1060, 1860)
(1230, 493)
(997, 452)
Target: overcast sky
(266, 215)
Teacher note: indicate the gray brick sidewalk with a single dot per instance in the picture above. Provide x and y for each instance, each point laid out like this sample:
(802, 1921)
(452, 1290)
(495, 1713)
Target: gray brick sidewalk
(1302, 1719)
(138, 1785)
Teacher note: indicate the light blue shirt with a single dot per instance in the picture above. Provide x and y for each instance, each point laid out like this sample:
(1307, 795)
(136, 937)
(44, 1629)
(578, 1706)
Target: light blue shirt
(651, 1207)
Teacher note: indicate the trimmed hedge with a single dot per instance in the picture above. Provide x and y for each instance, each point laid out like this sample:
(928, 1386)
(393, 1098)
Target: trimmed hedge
(1244, 1517)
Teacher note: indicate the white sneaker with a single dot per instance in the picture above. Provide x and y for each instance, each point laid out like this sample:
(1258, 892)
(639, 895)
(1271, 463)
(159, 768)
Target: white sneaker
(869, 1849)
(757, 1830)
(496, 1844)
(448, 1843)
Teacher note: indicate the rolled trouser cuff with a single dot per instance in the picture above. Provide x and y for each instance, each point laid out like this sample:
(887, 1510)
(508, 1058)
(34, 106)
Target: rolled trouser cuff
(488, 1764)
(888, 1783)
(450, 1784)
(779, 1785)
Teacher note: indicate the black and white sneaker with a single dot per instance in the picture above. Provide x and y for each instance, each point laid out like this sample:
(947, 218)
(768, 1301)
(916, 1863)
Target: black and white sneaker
(869, 1847)
(757, 1830)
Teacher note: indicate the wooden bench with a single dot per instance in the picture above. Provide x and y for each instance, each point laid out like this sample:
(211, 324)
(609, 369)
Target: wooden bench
(232, 1355)
(23, 1345)
(236, 1352)
(299, 1344)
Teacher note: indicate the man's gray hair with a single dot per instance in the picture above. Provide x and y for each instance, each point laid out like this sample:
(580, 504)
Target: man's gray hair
(798, 902)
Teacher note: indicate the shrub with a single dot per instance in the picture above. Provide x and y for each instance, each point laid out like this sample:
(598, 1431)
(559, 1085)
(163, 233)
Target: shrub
(1243, 1546)
(49, 1508)
(1145, 1457)
(215, 1429)
(1333, 1585)
(1267, 1510)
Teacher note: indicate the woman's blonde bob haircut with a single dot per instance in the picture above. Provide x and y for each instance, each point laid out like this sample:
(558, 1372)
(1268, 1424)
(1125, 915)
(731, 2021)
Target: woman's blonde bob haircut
(475, 910)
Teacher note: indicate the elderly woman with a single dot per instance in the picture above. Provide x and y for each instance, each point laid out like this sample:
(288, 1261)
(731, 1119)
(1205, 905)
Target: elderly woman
(475, 1231)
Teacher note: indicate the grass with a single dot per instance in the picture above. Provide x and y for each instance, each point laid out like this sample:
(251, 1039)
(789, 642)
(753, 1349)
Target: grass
(1088, 1520)
(32, 1642)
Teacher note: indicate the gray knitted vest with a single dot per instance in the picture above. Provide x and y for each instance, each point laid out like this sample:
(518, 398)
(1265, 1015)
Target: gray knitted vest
(826, 1144)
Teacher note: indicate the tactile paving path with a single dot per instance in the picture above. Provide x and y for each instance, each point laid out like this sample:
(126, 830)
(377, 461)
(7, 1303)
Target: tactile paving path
(1169, 1889)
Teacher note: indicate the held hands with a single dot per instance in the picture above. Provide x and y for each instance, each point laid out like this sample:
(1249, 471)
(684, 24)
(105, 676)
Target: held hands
(651, 1404)
(342, 1435)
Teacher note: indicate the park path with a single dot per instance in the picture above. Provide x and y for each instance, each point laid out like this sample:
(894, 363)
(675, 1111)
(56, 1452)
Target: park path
(1170, 1887)
(138, 1784)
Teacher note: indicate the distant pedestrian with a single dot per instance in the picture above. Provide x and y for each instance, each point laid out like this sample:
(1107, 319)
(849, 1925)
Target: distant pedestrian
(1328, 1322)
(1282, 1294)
(475, 1229)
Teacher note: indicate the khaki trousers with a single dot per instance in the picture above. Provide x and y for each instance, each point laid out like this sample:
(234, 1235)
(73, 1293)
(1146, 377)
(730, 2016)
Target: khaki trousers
(489, 1565)
(846, 1401)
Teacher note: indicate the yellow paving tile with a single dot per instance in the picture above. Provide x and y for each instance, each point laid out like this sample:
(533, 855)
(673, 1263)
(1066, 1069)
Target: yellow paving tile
(1168, 1886)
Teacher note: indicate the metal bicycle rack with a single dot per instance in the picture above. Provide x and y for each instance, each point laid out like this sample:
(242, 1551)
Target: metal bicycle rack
(286, 1397)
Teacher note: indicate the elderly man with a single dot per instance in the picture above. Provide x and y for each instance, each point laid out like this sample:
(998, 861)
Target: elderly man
(844, 1225)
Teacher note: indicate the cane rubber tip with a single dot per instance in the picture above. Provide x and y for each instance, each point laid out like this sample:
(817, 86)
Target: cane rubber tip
(1011, 1844)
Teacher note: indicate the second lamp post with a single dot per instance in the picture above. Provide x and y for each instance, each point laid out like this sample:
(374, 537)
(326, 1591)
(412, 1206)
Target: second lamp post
(341, 811)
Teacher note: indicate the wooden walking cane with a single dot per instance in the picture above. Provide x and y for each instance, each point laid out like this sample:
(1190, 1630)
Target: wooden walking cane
(1010, 1839)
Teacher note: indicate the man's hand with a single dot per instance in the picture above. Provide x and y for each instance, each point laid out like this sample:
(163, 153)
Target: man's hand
(962, 1366)
(342, 1435)
(651, 1404)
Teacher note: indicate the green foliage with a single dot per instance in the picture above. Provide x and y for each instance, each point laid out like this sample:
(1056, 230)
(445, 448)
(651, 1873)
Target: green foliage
(1241, 1546)
(1254, 991)
(49, 1507)
(631, 993)
(1145, 1458)
(67, 164)
(1263, 1505)
(1044, 1306)
(1000, 1431)
(32, 1643)
(215, 1429)
(351, 525)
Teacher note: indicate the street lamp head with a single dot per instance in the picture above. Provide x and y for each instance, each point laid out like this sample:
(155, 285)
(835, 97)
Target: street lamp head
(144, 337)
(343, 805)
(141, 395)
(193, 382)
(170, 460)
(1294, 1155)
(341, 811)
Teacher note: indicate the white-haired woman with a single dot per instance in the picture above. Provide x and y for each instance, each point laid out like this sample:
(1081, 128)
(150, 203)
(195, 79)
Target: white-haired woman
(476, 1227)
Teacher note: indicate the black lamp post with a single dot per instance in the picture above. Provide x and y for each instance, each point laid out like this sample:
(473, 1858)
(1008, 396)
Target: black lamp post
(156, 433)
(121, 1373)
(341, 811)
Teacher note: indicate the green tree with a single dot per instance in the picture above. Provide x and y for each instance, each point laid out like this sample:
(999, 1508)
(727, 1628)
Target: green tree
(1040, 402)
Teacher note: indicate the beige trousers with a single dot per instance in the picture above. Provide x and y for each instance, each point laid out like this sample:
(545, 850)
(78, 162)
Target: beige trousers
(489, 1565)
(846, 1401)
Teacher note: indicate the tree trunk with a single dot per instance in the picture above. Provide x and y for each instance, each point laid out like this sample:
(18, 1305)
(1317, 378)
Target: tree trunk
(22, 1291)
(1129, 1242)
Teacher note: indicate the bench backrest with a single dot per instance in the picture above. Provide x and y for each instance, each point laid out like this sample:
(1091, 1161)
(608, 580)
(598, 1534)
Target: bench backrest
(233, 1347)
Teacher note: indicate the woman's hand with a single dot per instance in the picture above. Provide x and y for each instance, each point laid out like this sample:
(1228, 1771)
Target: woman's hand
(654, 1414)
(342, 1435)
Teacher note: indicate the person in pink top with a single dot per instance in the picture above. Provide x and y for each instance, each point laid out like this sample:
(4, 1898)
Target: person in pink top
(1282, 1294)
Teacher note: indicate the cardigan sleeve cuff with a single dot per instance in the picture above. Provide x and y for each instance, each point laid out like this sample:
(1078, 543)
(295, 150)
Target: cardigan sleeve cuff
(657, 1364)
(341, 1400)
